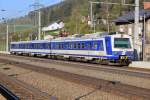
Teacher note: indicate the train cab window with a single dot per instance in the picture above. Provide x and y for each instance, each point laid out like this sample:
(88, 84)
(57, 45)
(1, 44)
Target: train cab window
(122, 43)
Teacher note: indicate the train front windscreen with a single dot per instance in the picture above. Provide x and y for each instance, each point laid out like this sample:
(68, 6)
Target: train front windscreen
(123, 43)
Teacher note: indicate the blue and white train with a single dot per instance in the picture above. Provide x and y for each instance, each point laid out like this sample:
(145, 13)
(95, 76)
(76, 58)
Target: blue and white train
(114, 49)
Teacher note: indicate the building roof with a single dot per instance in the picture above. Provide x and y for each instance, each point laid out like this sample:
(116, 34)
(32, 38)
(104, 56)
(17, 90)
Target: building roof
(54, 26)
(129, 18)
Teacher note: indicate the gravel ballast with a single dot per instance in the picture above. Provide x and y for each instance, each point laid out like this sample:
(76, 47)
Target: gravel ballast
(62, 89)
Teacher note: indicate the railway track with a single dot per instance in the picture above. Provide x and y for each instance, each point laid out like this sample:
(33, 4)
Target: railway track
(7, 94)
(14, 89)
(144, 73)
(118, 88)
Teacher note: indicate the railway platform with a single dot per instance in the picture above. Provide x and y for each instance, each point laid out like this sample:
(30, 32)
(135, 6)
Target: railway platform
(4, 52)
(140, 64)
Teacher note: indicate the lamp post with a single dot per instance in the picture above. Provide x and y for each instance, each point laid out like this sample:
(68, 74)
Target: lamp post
(143, 36)
(7, 38)
(7, 31)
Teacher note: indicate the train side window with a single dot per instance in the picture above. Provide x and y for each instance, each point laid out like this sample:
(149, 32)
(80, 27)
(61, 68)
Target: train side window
(34, 46)
(90, 45)
(62, 46)
(70, 45)
(38, 46)
(95, 45)
(83, 45)
(41, 45)
(75, 45)
(67, 45)
(47, 46)
(28, 46)
(79, 45)
(31, 46)
(54, 45)
(17, 46)
(59, 46)
(25, 46)
(21, 46)
(50, 47)
(101, 45)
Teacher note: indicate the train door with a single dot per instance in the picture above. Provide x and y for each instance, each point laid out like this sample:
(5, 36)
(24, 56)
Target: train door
(108, 45)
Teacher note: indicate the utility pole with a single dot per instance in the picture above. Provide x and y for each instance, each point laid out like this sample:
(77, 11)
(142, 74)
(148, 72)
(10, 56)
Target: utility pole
(108, 27)
(91, 12)
(144, 37)
(39, 27)
(136, 25)
(7, 37)
(37, 7)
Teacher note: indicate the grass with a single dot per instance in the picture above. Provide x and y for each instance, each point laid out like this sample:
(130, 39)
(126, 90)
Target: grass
(2, 46)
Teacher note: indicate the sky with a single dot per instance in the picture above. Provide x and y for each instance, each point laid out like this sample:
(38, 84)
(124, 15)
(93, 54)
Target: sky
(16, 8)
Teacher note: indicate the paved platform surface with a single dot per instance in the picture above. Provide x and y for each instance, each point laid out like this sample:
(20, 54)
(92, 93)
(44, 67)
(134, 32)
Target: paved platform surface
(4, 52)
(140, 64)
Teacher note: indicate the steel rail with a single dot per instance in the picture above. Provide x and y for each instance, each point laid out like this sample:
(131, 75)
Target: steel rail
(7, 93)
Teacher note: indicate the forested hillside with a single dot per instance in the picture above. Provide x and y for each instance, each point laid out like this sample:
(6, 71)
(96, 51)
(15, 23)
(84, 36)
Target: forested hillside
(74, 12)
(75, 15)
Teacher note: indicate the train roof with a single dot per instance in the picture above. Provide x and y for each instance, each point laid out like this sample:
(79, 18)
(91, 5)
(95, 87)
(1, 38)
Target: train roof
(95, 36)
(77, 37)
(34, 41)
